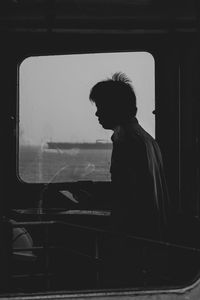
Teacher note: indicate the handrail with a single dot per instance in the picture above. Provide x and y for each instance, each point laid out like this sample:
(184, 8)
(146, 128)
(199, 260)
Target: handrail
(94, 257)
(106, 232)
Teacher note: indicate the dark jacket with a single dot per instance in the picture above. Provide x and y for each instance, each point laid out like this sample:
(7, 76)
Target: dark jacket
(140, 198)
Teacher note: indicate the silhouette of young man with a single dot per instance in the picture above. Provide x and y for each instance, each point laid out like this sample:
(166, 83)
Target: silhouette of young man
(139, 192)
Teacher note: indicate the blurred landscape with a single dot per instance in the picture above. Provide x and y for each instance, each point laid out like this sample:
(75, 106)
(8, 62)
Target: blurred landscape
(40, 164)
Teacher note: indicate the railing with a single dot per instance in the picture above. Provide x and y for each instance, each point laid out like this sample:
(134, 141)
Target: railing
(96, 257)
(46, 248)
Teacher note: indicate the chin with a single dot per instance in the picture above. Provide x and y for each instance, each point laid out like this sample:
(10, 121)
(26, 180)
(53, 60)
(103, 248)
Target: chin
(106, 126)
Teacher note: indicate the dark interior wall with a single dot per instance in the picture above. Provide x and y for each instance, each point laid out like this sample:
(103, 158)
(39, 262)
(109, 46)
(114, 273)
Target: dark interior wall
(189, 138)
(167, 107)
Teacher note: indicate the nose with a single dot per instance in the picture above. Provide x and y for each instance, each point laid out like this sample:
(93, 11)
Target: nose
(97, 114)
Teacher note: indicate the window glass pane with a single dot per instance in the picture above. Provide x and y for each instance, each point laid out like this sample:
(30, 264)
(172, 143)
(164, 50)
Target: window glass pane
(60, 138)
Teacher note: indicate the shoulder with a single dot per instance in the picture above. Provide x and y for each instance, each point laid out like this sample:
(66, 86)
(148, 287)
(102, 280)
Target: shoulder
(129, 149)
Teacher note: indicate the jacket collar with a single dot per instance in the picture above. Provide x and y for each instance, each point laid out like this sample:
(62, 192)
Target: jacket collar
(119, 131)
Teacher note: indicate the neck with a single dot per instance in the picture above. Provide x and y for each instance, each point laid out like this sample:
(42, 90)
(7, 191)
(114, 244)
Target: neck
(127, 121)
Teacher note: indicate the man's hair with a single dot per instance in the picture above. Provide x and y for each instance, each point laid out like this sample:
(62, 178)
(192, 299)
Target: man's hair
(117, 92)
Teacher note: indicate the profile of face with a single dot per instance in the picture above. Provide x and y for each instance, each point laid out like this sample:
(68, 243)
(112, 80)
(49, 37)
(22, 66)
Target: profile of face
(106, 116)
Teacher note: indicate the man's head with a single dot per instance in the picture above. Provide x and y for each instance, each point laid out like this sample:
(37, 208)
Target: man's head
(115, 100)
